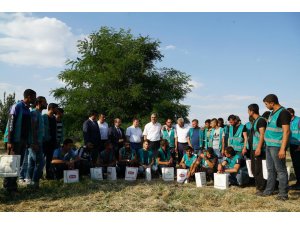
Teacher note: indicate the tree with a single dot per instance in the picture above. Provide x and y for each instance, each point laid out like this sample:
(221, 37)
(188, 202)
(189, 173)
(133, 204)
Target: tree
(8, 102)
(116, 74)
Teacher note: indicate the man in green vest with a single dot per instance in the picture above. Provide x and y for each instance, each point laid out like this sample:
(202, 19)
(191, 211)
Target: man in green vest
(277, 140)
(207, 131)
(295, 147)
(169, 133)
(237, 135)
(257, 154)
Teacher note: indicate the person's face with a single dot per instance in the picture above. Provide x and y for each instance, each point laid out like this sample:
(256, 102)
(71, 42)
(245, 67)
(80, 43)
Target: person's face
(165, 146)
(93, 117)
(208, 155)
(189, 153)
(227, 154)
(270, 106)
(146, 145)
(32, 99)
(69, 146)
(213, 124)
(136, 123)
(194, 124)
(118, 123)
(207, 124)
(44, 104)
(153, 118)
(250, 113)
(169, 123)
(180, 123)
(127, 145)
(232, 122)
(220, 123)
(102, 118)
(292, 114)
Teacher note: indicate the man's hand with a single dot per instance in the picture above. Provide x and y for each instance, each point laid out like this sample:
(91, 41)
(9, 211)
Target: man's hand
(220, 168)
(10, 149)
(244, 151)
(258, 152)
(35, 147)
(183, 166)
(281, 154)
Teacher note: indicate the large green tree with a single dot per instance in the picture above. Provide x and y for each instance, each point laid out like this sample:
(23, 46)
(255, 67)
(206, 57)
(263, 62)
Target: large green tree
(5, 105)
(115, 73)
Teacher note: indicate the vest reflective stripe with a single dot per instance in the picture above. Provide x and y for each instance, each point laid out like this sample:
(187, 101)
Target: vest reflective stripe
(256, 135)
(295, 131)
(274, 135)
(191, 132)
(171, 138)
(236, 141)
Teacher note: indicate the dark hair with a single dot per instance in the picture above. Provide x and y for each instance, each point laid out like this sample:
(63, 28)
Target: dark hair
(230, 151)
(61, 110)
(39, 99)
(271, 98)
(68, 141)
(214, 119)
(207, 121)
(292, 111)
(188, 148)
(266, 114)
(28, 93)
(254, 108)
(52, 106)
(221, 120)
(163, 142)
(93, 113)
(134, 119)
(195, 120)
(210, 151)
(232, 117)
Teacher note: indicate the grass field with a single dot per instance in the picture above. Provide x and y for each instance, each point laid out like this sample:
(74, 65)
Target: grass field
(140, 196)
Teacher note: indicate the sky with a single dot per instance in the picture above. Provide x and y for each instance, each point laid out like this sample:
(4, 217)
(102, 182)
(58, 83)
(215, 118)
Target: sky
(234, 59)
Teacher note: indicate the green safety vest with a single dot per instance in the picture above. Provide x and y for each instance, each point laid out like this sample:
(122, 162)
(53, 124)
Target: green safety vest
(295, 131)
(237, 140)
(274, 135)
(256, 135)
(164, 157)
(170, 138)
(211, 138)
(201, 136)
(232, 161)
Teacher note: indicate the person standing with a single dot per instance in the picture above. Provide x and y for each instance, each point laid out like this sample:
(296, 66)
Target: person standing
(60, 126)
(91, 135)
(256, 140)
(207, 131)
(19, 126)
(117, 136)
(152, 134)
(195, 137)
(217, 138)
(50, 139)
(237, 135)
(182, 132)
(134, 135)
(295, 147)
(169, 133)
(277, 140)
(103, 126)
(35, 152)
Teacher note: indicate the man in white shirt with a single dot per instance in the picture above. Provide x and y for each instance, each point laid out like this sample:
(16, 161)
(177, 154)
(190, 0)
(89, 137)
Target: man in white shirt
(103, 126)
(134, 135)
(182, 133)
(152, 133)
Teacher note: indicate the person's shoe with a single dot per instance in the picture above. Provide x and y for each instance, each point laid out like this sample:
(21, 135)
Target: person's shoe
(22, 182)
(263, 194)
(282, 198)
(259, 193)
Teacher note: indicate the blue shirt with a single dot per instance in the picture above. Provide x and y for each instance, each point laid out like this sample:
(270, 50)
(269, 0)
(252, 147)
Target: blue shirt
(195, 139)
(58, 153)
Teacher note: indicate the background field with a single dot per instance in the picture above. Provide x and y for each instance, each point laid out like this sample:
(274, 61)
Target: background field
(141, 196)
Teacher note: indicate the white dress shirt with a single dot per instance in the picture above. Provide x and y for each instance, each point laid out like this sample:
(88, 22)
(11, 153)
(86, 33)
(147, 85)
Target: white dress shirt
(152, 131)
(182, 133)
(103, 130)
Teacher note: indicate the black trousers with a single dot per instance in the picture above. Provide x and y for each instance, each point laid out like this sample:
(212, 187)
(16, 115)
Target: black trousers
(296, 161)
(256, 167)
(154, 146)
(10, 183)
(48, 148)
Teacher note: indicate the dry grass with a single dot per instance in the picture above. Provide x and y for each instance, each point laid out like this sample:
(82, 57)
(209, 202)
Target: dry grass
(141, 196)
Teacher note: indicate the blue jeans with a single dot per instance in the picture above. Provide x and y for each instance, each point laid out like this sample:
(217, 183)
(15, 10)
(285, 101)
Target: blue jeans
(24, 167)
(276, 168)
(35, 165)
(239, 178)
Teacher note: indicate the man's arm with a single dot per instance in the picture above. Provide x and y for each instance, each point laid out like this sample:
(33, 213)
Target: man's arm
(235, 169)
(262, 131)
(245, 135)
(285, 139)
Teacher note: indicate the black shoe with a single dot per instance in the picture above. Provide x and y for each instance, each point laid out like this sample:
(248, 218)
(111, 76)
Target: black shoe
(263, 194)
(259, 193)
(282, 198)
(295, 187)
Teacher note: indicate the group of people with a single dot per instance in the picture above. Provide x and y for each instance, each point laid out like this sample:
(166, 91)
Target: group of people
(215, 148)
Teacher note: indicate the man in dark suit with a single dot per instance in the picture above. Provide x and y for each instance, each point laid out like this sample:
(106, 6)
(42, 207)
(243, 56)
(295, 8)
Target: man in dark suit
(91, 135)
(117, 136)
